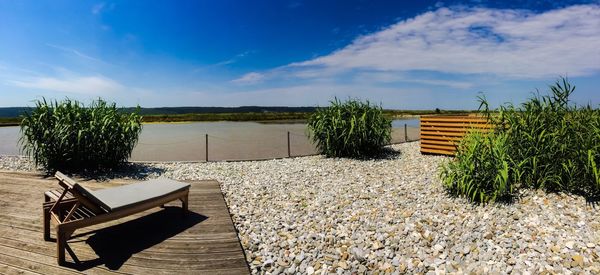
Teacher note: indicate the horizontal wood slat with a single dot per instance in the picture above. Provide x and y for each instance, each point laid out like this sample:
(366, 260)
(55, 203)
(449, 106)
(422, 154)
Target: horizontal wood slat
(454, 125)
(437, 152)
(441, 142)
(463, 119)
(438, 147)
(453, 129)
(441, 134)
(435, 137)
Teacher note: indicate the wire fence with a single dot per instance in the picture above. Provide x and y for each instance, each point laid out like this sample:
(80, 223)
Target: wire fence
(218, 141)
(237, 147)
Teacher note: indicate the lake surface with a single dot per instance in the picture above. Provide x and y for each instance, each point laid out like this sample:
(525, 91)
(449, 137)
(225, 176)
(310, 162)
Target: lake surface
(410, 122)
(226, 140)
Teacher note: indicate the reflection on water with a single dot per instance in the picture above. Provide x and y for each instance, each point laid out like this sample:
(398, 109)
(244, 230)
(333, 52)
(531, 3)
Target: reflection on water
(226, 140)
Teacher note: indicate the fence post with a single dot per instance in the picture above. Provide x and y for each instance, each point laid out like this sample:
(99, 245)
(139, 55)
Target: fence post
(289, 152)
(206, 147)
(405, 133)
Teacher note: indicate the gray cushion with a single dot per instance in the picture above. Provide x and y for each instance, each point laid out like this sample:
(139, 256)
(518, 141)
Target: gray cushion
(112, 199)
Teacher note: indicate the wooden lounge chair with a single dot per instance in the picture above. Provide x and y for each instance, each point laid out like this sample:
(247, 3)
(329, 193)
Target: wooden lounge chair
(78, 207)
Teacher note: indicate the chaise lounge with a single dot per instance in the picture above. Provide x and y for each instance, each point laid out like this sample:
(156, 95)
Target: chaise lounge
(77, 207)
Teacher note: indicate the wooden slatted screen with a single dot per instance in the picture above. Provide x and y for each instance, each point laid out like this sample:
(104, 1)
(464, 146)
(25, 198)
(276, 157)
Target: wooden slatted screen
(440, 134)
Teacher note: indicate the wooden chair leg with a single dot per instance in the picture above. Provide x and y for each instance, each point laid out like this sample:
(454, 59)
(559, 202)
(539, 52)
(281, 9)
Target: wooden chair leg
(62, 236)
(46, 222)
(184, 204)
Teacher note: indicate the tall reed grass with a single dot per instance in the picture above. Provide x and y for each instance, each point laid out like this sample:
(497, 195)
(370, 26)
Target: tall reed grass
(547, 143)
(69, 136)
(350, 129)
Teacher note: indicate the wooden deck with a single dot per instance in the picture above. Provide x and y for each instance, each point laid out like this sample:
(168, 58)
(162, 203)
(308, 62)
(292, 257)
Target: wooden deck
(157, 241)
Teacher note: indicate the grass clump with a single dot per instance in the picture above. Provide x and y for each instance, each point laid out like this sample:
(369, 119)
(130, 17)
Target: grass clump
(350, 129)
(481, 171)
(545, 143)
(69, 136)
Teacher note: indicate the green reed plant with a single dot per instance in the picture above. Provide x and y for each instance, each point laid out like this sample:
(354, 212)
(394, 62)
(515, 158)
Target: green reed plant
(69, 136)
(556, 142)
(350, 129)
(546, 143)
(482, 170)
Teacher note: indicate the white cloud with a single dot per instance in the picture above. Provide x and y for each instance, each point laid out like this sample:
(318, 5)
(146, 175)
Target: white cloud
(504, 43)
(75, 52)
(87, 85)
(398, 77)
(437, 82)
(249, 78)
(320, 95)
(102, 8)
(234, 59)
(7, 71)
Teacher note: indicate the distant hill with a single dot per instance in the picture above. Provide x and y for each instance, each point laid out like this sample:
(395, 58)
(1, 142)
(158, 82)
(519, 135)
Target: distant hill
(220, 110)
(10, 112)
(243, 113)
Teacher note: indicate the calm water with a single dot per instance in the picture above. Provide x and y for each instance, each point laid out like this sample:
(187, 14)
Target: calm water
(227, 140)
(399, 123)
(9, 137)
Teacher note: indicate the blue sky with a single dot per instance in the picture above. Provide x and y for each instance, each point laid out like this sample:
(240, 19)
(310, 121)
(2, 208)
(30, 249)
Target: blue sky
(404, 54)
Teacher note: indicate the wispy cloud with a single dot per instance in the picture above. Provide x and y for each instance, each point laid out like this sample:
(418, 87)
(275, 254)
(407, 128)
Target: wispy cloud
(234, 59)
(229, 61)
(75, 52)
(96, 85)
(102, 7)
(437, 82)
(513, 44)
(96, 9)
(249, 78)
(394, 77)
(318, 95)
(7, 71)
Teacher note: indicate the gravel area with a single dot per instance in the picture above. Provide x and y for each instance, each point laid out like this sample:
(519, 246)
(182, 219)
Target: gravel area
(316, 215)
(16, 163)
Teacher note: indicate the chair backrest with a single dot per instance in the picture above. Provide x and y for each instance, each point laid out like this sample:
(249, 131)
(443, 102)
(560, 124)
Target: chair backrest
(83, 195)
(64, 181)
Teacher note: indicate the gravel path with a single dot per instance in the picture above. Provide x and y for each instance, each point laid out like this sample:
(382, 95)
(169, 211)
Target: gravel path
(313, 214)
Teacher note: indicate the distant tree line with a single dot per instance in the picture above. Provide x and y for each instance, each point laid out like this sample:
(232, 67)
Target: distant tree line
(14, 112)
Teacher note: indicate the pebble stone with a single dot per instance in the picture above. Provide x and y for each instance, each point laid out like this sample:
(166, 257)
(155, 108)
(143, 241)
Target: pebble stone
(318, 215)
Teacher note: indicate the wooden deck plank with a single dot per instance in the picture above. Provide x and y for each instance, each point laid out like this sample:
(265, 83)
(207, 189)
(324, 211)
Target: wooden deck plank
(170, 261)
(9, 270)
(158, 241)
(177, 247)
